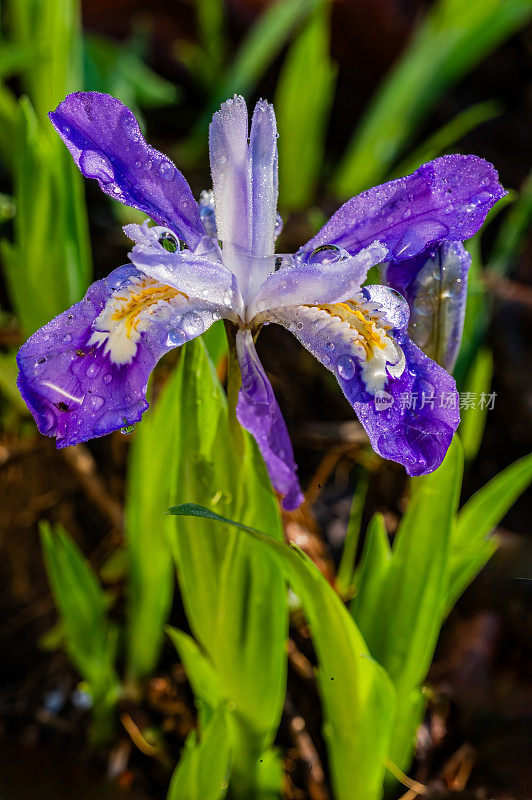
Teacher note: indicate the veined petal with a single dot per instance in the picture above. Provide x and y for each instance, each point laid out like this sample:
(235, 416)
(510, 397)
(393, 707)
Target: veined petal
(407, 403)
(105, 141)
(84, 374)
(231, 172)
(258, 412)
(444, 200)
(195, 275)
(244, 178)
(264, 179)
(309, 283)
(435, 285)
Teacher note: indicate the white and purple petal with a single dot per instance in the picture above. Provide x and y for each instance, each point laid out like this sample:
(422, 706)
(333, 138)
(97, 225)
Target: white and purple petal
(85, 373)
(407, 403)
(444, 200)
(258, 412)
(311, 282)
(105, 141)
(435, 286)
(196, 275)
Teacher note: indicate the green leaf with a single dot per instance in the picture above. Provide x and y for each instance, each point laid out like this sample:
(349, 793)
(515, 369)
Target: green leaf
(90, 639)
(473, 420)
(453, 37)
(151, 485)
(346, 570)
(401, 597)
(236, 604)
(205, 681)
(356, 693)
(448, 135)
(304, 94)
(371, 577)
(471, 547)
(47, 268)
(514, 229)
(204, 766)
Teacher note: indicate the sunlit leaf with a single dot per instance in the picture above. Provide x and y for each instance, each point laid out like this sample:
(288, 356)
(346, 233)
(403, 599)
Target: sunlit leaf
(356, 693)
(304, 94)
(452, 38)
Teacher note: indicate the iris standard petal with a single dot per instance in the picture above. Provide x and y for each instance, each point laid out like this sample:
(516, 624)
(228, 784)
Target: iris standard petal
(264, 179)
(196, 275)
(231, 172)
(407, 403)
(306, 282)
(435, 286)
(258, 412)
(84, 374)
(105, 141)
(444, 200)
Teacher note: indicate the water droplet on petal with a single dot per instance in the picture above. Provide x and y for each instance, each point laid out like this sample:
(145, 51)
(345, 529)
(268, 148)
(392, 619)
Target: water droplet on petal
(93, 370)
(107, 378)
(329, 346)
(169, 241)
(167, 171)
(299, 326)
(278, 225)
(67, 337)
(148, 165)
(192, 324)
(130, 126)
(96, 165)
(326, 254)
(345, 367)
(418, 236)
(127, 429)
(175, 338)
(96, 402)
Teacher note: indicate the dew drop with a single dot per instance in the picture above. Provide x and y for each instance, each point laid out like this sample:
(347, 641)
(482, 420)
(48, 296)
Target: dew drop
(167, 171)
(326, 254)
(148, 165)
(67, 337)
(192, 324)
(93, 371)
(107, 378)
(96, 165)
(407, 213)
(278, 225)
(96, 402)
(175, 338)
(329, 346)
(169, 241)
(299, 326)
(127, 429)
(130, 126)
(345, 367)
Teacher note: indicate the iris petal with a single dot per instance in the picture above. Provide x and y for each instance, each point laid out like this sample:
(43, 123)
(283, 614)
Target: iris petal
(84, 374)
(435, 285)
(444, 200)
(407, 403)
(258, 412)
(105, 141)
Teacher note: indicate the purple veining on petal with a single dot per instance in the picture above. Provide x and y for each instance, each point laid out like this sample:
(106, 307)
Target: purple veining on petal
(444, 200)
(258, 412)
(201, 276)
(435, 285)
(264, 177)
(417, 437)
(324, 282)
(72, 383)
(105, 141)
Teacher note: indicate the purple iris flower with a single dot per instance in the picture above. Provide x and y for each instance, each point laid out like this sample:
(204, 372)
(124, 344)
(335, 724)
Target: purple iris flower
(84, 374)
